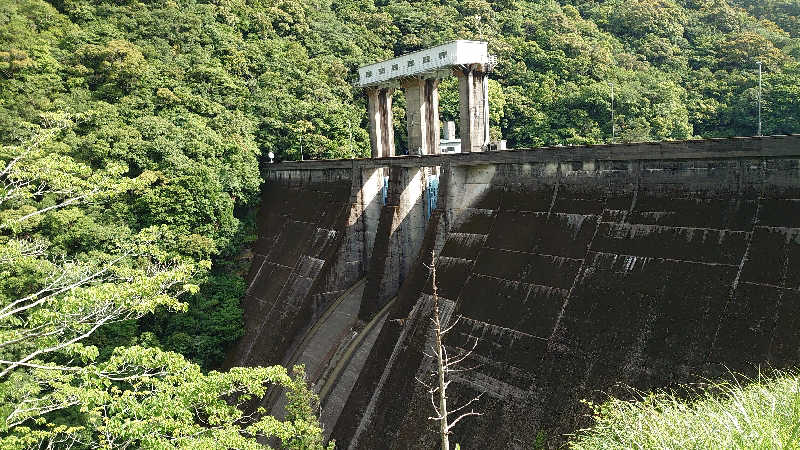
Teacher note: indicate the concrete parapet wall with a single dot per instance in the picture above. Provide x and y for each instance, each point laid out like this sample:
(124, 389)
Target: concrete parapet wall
(695, 149)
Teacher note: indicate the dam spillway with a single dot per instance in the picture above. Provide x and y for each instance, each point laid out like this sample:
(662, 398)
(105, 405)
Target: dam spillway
(579, 270)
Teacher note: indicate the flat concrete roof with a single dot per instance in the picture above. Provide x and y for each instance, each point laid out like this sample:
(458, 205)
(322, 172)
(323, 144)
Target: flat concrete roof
(736, 147)
(433, 61)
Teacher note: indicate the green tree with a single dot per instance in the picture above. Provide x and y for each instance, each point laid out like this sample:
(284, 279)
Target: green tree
(55, 388)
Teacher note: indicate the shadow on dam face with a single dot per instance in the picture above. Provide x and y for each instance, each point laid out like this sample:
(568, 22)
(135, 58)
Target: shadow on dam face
(584, 270)
(316, 234)
(319, 233)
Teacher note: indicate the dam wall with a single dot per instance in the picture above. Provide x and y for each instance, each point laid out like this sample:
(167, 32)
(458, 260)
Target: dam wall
(576, 272)
(316, 232)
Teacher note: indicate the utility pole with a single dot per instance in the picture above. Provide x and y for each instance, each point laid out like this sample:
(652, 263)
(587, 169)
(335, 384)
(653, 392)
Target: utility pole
(759, 97)
(613, 126)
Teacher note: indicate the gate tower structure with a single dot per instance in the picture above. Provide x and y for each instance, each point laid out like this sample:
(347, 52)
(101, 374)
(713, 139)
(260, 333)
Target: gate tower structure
(418, 74)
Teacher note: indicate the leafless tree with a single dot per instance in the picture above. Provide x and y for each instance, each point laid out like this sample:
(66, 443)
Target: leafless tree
(446, 365)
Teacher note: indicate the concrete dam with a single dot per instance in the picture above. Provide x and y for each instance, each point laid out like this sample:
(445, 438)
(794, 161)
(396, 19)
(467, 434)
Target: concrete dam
(580, 271)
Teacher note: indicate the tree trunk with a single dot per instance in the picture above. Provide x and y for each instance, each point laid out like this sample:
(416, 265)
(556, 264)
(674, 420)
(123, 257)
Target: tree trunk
(441, 366)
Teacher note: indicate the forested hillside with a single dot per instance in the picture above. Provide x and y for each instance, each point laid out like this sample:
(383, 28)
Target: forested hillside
(134, 137)
(251, 77)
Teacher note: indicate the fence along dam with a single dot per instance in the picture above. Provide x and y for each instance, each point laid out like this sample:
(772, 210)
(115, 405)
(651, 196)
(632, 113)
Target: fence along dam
(578, 270)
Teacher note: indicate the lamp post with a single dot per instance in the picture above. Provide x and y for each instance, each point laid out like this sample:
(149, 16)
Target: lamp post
(613, 126)
(759, 97)
(350, 134)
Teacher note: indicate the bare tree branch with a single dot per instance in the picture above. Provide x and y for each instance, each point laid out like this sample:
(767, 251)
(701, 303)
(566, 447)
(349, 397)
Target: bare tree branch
(455, 322)
(6, 312)
(444, 364)
(62, 204)
(458, 419)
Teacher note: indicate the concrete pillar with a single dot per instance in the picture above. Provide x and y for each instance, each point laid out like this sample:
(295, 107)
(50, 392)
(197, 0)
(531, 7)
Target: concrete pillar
(450, 130)
(473, 91)
(381, 130)
(374, 113)
(388, 126)
(422, 115)
(433, 134)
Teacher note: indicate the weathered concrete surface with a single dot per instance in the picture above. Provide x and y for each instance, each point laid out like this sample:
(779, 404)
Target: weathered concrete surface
(422, 115)
(579, 275)
(398, 239)
(301, 225)
(343, 375)
(384, 374)
(335, 327)
(740, 147)
(351, 259)
(473, 108)
(318, 348)
(316, 234)
(576, 269)
(381, 130)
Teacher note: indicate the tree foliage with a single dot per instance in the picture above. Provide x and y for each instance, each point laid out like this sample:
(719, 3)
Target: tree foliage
(148, 398)
(62, 387)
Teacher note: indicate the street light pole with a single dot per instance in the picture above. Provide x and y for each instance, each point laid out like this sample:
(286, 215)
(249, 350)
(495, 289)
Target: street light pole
(350, 133)
(759, 97)
(613, 126)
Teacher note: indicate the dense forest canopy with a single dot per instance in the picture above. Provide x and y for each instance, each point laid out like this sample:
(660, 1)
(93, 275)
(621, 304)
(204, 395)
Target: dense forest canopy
(134, 135)
(249, 77)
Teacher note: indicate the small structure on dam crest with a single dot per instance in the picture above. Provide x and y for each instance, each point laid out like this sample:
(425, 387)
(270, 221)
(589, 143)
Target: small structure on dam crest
(419, 73)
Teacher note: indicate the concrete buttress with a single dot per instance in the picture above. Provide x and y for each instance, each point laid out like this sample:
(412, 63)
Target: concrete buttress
(400, 232)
